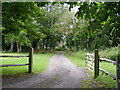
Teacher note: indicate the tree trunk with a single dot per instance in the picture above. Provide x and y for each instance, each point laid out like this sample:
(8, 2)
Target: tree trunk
(42, 46)
(75, 46)
(11, 46)
(69, 44)
(50, 47)
(53, 47)
(46, 47)
(38, 46)
(18, 50)
(46, 44)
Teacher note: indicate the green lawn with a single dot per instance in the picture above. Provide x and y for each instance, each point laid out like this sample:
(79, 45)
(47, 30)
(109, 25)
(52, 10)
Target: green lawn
(40, 63)
(107, 81)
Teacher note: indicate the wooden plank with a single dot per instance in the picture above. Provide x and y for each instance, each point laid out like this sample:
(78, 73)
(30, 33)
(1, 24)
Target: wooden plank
(107, 73)
(12, 56)
(13, 65)
(30, 60)
(118, 70)
(90, 54)
(90, 69)
(107, 60)
(96, 64)
(85, 62)
(119, 80)
(89, 59)
(91, 63)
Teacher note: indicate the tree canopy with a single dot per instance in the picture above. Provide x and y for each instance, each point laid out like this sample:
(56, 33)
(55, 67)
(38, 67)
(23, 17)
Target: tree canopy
(43, 25)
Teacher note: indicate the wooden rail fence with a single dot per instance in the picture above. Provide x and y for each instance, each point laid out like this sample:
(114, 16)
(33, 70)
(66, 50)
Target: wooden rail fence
(92, 63)
(29, 64)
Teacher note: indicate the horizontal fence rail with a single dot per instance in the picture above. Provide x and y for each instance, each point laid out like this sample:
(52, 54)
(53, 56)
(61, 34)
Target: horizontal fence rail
(30, 56)
(12, 56)
(107, 60)
(89, 62)
(13, 65)
(89, 58)
(92, 63)
(90, 54)
(107, 73)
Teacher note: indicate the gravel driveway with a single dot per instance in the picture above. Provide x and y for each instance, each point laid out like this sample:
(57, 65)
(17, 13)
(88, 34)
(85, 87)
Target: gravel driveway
(61, 73)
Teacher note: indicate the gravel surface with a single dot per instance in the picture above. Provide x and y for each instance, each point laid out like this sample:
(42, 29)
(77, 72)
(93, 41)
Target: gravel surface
(61, 73)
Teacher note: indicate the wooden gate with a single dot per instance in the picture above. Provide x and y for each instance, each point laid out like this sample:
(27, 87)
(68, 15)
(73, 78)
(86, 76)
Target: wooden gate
(92, 63)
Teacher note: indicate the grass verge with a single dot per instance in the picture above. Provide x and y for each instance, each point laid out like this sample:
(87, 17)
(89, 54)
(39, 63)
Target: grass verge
(103, 81)
(40, 63)
(78, 58)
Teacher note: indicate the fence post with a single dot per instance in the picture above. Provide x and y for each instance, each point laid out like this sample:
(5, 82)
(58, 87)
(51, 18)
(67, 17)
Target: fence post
(118, 70)
(30, 60)
(96, 63)
(85, 61)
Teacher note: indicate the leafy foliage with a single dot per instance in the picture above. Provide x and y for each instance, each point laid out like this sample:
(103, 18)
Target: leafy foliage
(43, 25)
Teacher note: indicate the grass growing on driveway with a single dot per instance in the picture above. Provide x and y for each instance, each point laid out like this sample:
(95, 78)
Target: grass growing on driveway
(40, 63)
(103, 80)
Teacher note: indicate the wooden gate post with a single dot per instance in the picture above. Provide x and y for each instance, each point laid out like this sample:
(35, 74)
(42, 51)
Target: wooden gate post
(96, 63)
(118, 70)
(30, 60)
(86, 61)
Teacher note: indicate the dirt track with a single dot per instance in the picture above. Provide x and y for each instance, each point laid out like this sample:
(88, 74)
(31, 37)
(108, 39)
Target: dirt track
(61, 73)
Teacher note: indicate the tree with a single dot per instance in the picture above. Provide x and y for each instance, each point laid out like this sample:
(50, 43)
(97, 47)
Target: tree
(10, 39)
(104, 19)
(103, 22)
(20, 22)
